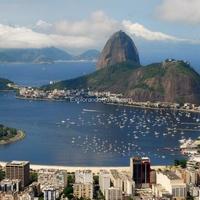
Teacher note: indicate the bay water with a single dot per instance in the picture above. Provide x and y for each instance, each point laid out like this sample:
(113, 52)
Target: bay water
(86, 134)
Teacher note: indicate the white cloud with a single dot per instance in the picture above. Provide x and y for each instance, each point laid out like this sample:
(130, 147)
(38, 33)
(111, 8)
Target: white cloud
(185, 11)
(21, 37)
(139, 30)
(81, 34)
(91, 33)
(97, 25)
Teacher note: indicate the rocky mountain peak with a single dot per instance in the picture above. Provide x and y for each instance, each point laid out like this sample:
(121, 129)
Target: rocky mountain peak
(119, 47)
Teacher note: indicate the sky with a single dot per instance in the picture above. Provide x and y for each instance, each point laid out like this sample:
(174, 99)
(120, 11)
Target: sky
(160, 29)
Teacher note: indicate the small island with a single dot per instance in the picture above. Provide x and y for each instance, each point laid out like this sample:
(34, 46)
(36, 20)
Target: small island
(8, 135)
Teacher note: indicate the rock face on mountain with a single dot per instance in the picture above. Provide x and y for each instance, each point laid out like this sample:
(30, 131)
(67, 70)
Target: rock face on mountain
(119, 47)
(170, 81)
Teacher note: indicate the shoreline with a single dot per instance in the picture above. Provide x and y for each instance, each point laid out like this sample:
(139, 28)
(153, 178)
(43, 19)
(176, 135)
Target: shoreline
(94, 169)
(154, 108)
(20, 135)
(39, 99)
(112, 104)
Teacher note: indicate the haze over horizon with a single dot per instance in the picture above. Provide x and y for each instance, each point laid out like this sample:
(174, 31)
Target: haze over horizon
(157, 29)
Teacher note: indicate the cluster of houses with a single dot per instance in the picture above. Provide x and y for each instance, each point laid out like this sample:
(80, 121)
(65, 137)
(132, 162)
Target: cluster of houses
(82, 95)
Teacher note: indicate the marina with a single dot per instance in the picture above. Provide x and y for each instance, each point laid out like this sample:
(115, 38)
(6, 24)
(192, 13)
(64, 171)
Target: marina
(95, 134)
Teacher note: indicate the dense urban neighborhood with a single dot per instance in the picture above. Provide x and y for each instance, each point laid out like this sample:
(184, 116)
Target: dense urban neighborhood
(23, 180)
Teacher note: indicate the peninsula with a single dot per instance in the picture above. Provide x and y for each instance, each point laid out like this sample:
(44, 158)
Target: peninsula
(8, 135)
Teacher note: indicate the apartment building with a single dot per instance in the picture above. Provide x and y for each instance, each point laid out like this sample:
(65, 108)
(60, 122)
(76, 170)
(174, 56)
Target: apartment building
(104, 180)
(18, 170)
(172, 183)
(84, 190)
(83, 186)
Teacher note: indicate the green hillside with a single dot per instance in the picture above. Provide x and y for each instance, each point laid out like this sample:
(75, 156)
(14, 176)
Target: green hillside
(168, 81)
(4, 86)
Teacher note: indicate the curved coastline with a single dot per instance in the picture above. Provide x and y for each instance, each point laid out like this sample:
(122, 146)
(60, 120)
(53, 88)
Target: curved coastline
(115, 104)
(20, 135)
(95, 170)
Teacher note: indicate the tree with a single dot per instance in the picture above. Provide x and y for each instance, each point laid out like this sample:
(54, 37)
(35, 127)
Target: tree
(33, 176)
(182, 163)
(96, 180)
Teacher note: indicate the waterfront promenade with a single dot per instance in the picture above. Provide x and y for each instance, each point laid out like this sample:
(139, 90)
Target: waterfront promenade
(94, 170)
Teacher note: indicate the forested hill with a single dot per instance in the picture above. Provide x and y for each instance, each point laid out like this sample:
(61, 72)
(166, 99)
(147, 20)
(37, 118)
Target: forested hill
(4, 84)
(168, 81)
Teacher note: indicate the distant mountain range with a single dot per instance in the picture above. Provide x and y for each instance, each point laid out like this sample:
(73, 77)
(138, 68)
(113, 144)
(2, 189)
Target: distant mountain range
(44, 55)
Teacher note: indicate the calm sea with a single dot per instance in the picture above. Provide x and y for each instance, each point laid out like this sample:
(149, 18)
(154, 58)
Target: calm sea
(82, 134)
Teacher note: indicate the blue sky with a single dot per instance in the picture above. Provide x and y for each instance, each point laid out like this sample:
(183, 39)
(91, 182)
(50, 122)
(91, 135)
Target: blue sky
(159, 28)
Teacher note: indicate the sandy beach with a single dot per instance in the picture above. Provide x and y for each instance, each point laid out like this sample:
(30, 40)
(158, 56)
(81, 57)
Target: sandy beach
(95, 169)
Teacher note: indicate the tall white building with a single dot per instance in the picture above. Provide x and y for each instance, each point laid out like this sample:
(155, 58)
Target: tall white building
(191, 176)
(104, 180)
(128, 185)
(123, 181)
(83, 186)
(115, 178)
(172, 183)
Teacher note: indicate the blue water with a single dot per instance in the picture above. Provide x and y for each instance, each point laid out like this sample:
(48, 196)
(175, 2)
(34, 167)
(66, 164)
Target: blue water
(37, 75)
(63, 133)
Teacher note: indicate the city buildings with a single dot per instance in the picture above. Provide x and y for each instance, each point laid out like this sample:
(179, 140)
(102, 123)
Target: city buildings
(140, 171)
(10, 185)
(83, 186)
(53, 177)
(18, 170)
(114, 183)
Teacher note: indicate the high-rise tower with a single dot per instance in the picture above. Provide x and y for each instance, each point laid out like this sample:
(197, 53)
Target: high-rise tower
(140, 171)
(18, 170)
